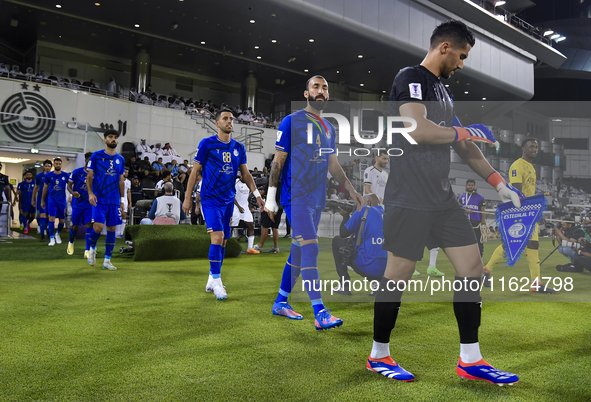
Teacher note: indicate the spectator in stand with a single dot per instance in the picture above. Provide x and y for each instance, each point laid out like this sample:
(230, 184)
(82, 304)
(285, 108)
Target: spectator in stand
(277, 122)
(174, 169)
(161, 102)
(177, 105)
(74, 84)
(166, 210)
(3, 70)
(158, 168)
(142, 149)
(158, 149)
(15, 71)
(334, 195)
(136, 191)
(169, 151)
(30, 74)
(265, 171)
(134, 96)
(41, 76)
(112, 87)
(134, 167)
(238, 110)
(89, 84)
(146, 168)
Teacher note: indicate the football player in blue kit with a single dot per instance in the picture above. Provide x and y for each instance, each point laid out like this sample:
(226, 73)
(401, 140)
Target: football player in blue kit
(302, 166)
(24, 191)
(81, 208)
(55, 193)
(219, 158)
(105, 186)
(36, 201)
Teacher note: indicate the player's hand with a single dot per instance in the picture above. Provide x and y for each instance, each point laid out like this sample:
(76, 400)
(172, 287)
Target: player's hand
(92, 199)
(187, 206)
(358, 198)
(261, 203)
(122, 205)
(76, 194)
(343, 212)
(34, 203)
(271, 208)
(42, 204)
(506, 191)
(475, 132)
(240, 209)
(468, 211)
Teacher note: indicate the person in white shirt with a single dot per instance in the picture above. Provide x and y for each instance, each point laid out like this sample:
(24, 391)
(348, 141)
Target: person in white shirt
(112, 87)
(142, 149)
(30, 75)
(242, 212)
(15, 71)
(41, 76)
(375, 177)
(166, 210)
(120, 229)
(169, 151)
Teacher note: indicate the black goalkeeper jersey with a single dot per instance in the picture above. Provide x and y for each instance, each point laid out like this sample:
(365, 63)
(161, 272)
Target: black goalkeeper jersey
(419, 178)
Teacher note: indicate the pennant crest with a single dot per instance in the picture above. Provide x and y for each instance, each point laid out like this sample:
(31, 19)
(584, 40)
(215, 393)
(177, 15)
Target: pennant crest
(517, 224)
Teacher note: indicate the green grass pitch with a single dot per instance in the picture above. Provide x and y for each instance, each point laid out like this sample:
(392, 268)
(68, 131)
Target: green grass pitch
(149, 332)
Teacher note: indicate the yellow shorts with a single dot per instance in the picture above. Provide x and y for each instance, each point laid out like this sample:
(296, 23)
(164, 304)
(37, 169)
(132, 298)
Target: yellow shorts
(535, 234)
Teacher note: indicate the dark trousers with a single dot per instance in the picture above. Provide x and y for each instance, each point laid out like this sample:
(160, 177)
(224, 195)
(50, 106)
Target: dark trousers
(342, 269)
(478, 235)
(196, 219)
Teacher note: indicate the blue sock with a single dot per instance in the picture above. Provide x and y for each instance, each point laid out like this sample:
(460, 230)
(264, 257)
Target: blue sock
(51, 229)
(310, 275)
(42, 225)
(72, 235)
(109, 245)
(290, 273)
(22, 220)
(94, 236)
(215, 260)
(88, 233)
(60, 226)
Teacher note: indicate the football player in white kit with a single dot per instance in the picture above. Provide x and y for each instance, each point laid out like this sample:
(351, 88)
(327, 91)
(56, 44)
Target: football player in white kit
(242, 213)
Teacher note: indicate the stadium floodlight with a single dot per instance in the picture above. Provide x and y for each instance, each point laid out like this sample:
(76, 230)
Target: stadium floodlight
(500, 3)
(548, 32)
(560, 39)
(555, 36)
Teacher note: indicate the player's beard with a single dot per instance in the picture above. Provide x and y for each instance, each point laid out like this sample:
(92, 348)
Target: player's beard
(318, 105)
(112, 145)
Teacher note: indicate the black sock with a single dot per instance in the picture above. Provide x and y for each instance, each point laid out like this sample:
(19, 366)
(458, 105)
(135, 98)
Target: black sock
(385, 310)
(467, 308)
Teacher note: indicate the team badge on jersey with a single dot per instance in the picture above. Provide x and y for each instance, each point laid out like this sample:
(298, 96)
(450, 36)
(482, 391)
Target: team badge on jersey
(415, 90)
(117, 161)
(235, 152)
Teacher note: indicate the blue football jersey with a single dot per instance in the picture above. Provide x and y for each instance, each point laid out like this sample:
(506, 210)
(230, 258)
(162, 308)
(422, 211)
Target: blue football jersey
(371, 258)
(220, 162)
(78, 179)
(106, 170)
(26, 189)
(57, 182)
(304, 174)
(40, 182)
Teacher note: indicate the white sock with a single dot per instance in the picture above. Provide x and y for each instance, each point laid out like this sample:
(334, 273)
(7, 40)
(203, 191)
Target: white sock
(250, 242)
(123, 226)
(117, 230)
(380, 350)
(470, 352)
(107, 259)
(433, 257)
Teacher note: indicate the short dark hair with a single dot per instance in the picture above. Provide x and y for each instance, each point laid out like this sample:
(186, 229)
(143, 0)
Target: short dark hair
(46, 161)
(56, 159)
(524, 142)
(453, 31)
(87, 155)
(311, 78)
(111, 131)
(222, 110)
(471, 181)
(27, 171)
(165, 173)
(382, 151)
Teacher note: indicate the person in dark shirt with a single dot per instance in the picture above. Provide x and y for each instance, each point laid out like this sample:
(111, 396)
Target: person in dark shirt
(420, 206)
(136, 191)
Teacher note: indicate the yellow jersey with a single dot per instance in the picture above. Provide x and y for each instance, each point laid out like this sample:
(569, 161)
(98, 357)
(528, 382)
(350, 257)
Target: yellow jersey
(523, 172)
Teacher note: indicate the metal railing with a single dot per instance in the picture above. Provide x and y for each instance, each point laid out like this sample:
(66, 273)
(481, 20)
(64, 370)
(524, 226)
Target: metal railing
(252, 138)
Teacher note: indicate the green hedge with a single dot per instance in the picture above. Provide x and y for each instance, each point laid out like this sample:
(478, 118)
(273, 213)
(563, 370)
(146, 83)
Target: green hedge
(170, 242)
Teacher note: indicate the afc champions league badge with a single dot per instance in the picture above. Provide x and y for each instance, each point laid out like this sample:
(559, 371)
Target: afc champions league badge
(27, 117)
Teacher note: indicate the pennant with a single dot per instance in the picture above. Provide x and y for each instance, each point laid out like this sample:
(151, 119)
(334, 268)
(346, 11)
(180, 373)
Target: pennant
(517, 224)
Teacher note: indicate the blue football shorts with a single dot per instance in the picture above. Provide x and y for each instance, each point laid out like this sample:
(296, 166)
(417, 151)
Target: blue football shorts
(107, 214)
(218, 218)
(304, 221)
(57, 210)
(82, 215)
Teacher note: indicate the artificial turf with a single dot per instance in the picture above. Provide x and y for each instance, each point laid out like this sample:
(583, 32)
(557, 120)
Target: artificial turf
(149, 332)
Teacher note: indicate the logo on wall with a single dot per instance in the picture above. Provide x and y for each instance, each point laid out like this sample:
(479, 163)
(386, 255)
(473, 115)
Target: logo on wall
(27, 117)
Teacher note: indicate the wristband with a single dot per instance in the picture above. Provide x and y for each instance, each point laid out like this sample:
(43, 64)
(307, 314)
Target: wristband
(495, 179)
(271, 193)
(256, 193)
(123, 200)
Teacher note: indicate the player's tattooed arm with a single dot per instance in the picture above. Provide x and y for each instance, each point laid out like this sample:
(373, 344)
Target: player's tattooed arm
(277, 168)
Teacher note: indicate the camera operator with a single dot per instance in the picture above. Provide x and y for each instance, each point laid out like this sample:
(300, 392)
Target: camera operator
(368, 259)
(582, 258)
(568, 232)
